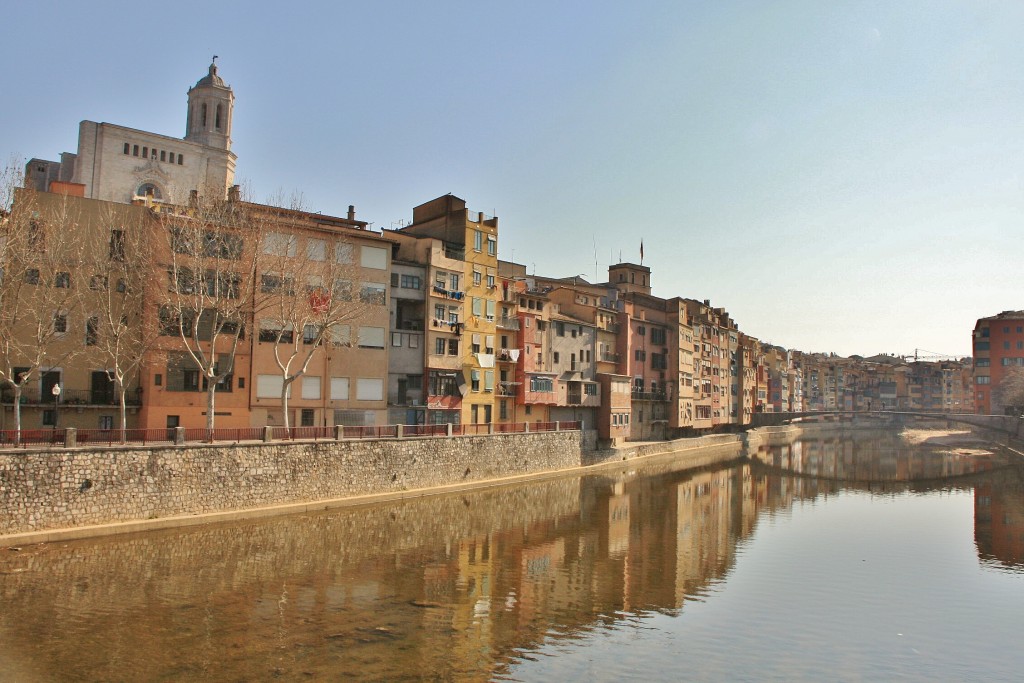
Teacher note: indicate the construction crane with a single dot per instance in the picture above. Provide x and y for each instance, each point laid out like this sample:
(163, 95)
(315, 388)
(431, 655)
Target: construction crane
(923, 354)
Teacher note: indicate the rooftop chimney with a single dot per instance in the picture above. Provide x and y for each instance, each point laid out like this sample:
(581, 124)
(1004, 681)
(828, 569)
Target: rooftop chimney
(234, 193)
(351, 212)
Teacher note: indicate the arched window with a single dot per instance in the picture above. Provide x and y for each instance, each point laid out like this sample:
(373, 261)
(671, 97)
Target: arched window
(216, 122)
(148, 189)
(204, 114)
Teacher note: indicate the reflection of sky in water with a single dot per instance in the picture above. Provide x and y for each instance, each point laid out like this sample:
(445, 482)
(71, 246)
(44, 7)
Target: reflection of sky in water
(850, 587)
(740, 573)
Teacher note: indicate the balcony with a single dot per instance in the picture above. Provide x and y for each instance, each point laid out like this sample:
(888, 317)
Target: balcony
(105, 396)
(608, 357)
(576, 397)
(508, 389)
(508, 323)
(640, 395)
(410, 325)
(505, 356)
(444, 361)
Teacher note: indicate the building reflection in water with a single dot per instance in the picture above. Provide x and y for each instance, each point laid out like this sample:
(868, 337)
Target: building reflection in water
(448, 587)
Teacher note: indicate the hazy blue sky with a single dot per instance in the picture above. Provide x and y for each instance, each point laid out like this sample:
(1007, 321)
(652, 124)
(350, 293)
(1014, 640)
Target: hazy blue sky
(840, 176)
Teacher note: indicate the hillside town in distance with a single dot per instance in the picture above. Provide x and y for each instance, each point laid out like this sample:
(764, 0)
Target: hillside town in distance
(141, 290)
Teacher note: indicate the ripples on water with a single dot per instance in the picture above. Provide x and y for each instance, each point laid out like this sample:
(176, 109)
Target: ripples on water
(826, 560)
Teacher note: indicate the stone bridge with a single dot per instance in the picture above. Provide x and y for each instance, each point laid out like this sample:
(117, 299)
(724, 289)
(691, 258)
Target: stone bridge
(1010, 425)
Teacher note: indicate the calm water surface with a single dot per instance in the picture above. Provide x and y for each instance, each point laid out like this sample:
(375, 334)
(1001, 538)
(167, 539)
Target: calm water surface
(825, 560)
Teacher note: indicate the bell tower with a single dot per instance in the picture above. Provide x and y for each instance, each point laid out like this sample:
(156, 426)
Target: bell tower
(211, 105)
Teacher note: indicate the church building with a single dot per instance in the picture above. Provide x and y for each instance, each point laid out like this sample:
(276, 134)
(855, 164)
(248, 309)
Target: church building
(120, 164)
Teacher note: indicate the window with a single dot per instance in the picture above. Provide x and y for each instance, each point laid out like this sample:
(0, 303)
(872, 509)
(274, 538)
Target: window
(373, 293)
(411, 282)
(32, 276)
(559, 328)
(477, 277)
(492, 246)
(657, 335)
(275, 283)
(316, 250)
(490, 280)
(60, 323)
(373, 257)
(557, 358)
(453, 347)
(279, 244)
(1006, 346)
(135, 150)
(371, 337)
(145, 152)
(62, 280)
(442, 384)
(590, 389)
(181, 160)
(222, 285)
(488, 380)
(92, 331)
(440, 345)
(343, 289)
(222, 245)
(982, 379)
(541, 384)
(476, 343)
(474, 376)
(311, 388)
(269, 386)
(396, 339)
(309, 333)
(489, 344)
(978, 346)
(158, 380)
(982, 362)
(163, 155)
(339, 388)
(478, 306)
(182, 373)
(117, 245)
(308, 414)
(490, 310)
(271, 330)
(340, 335)
(478, 240)
(127, 148)
(453, 281)
(369, 389)
(641, 330)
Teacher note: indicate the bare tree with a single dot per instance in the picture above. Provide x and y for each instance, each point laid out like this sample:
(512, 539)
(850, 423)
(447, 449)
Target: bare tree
(120, 268)
(40, 286)
(307, 295)
(208, 295)
(1011, 390)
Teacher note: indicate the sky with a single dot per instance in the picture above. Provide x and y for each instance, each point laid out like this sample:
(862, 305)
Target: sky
(843, 177)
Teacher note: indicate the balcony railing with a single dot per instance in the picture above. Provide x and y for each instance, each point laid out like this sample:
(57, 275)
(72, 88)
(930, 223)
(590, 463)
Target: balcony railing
(608, 357)
(508, 323)
(71, 397)
(508, 389)
(639, 395)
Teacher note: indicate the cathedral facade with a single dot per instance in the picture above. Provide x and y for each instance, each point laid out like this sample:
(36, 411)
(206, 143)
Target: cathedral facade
(121, 164)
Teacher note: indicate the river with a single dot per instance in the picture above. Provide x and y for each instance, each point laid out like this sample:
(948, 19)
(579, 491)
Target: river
(837, 559)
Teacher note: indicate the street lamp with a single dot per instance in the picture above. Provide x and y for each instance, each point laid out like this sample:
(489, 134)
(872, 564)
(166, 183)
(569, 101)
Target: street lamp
(56, 403)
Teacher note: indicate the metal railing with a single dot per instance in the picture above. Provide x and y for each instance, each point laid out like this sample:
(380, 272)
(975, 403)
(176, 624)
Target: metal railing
(179, 436)
(31, 396)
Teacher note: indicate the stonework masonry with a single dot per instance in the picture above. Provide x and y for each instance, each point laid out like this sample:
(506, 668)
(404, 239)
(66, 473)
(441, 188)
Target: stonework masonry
(74, 488)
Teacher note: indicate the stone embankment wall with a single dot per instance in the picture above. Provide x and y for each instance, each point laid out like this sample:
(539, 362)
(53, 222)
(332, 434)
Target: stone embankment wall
(79, 487)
